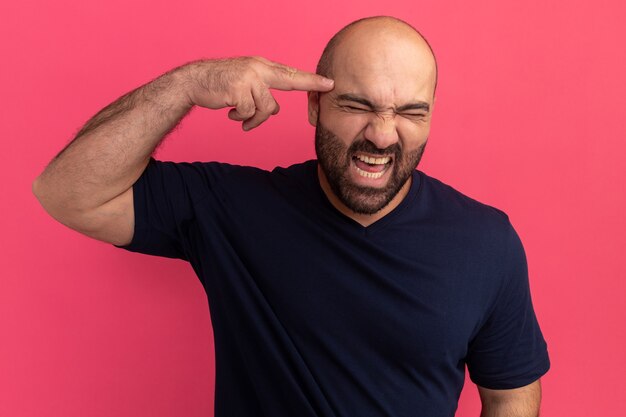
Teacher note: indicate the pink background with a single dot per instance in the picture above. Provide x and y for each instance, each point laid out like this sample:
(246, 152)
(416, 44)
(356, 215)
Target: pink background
(530, 118)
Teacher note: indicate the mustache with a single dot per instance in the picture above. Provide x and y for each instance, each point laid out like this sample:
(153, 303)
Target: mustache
(368, 147)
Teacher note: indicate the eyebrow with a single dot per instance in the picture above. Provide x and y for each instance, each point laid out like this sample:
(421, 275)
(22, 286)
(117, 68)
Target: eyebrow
(420, 105)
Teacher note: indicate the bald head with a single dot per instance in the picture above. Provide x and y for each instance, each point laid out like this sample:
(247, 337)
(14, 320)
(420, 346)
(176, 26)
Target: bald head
(371, 41)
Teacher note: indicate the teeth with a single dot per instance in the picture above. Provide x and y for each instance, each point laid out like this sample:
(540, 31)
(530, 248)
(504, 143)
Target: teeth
(369, 174)
(374, 161)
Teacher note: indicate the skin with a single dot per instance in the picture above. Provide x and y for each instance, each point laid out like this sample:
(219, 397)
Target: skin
(518, 402)
(384, 78)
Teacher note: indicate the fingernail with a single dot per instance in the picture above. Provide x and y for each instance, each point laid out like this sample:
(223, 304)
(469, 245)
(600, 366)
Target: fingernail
(328, 81)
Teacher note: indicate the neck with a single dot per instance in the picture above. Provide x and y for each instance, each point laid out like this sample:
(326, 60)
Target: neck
(363, 219)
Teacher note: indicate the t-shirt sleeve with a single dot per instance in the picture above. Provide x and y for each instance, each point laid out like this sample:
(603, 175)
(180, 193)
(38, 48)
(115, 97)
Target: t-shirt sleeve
(509, 350)
(163, 199)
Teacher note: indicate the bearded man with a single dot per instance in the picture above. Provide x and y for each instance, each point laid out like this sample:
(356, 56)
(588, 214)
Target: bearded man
(351, 285)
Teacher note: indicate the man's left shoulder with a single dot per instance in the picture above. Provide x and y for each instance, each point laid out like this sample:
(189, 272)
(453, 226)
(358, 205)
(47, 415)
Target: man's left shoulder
(450, 199)
(454, 206)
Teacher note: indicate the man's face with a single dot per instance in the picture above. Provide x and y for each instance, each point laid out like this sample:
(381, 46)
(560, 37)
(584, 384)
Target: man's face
(371, 129)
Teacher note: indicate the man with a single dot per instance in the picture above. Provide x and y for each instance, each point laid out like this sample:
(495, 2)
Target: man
(353, 285)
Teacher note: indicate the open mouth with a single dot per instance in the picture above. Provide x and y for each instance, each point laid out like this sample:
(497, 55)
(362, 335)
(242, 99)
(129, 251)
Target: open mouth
(371, 167)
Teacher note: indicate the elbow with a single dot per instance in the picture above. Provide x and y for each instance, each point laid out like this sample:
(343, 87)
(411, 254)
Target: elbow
(35, 187)
(37, 192)
(49, 202)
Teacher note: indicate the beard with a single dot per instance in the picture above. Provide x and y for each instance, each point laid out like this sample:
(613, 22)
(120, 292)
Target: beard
(335, 159)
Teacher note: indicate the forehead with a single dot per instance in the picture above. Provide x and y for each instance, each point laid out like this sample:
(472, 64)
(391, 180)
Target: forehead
(386, 89)
(387, 68)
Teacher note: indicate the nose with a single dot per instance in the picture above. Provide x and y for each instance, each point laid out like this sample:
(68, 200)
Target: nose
(381, 130)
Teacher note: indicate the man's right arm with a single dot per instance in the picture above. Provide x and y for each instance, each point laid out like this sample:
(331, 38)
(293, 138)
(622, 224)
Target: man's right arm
(88, 185)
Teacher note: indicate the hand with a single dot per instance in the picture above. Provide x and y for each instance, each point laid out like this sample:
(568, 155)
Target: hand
(244, 83)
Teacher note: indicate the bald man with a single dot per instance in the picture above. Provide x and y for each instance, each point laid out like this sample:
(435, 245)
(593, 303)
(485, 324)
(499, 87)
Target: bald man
(351, 285)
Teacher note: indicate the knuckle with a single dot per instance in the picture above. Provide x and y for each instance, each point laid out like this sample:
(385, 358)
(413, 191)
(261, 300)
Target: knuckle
(253, 65)
(259, 63)
(265, 98)
(289, 72)
(246, 114)
(246, 111)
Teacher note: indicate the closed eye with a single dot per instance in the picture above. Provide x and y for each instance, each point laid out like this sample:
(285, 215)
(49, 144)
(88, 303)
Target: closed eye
(413, 115)
(355, 109)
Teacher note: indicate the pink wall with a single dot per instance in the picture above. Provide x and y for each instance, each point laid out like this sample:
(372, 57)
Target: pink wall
(530, 118)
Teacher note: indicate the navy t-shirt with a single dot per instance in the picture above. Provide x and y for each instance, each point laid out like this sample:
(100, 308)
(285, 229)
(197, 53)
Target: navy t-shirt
(316, 315)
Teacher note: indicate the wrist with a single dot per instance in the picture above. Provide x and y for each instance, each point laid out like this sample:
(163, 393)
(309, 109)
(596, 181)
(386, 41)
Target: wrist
(185, 78)
(181, 84)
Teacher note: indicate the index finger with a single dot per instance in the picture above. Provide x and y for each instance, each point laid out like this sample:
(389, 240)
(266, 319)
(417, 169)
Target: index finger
(282, 77)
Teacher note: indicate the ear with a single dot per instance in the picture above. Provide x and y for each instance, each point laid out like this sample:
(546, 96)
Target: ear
(314, 107)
